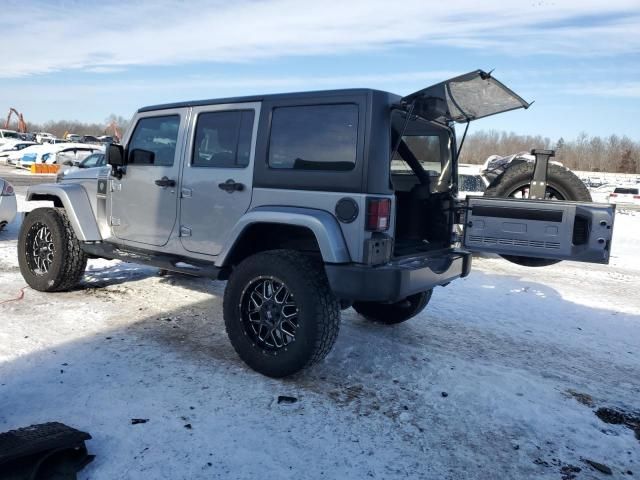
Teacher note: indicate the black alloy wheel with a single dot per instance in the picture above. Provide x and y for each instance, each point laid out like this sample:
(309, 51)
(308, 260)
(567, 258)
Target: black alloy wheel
(269, 313)
(40, 249)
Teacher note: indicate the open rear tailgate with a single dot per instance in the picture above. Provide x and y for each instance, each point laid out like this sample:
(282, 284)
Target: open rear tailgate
(552, 229)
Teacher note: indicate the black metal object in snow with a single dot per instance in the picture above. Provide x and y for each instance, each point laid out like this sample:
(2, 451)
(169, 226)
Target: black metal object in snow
(538, 186)
(47, 450)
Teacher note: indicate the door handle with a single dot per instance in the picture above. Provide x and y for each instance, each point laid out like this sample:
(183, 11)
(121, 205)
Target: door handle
(166, 182)
(231, 186)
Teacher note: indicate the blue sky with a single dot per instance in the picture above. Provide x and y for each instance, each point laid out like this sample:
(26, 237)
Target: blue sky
(579, 60)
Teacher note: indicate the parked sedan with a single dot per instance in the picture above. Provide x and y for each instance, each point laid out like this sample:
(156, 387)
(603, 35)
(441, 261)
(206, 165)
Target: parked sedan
(62, 153)
(8, 205)
(8, 148)
(8, 135)
(629, 195)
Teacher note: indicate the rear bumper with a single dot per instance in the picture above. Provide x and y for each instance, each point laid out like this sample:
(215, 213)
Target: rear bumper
(398, 279)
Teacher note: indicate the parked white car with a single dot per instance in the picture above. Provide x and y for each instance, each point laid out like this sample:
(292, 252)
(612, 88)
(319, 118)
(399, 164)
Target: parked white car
(44, 137)
(60, 153)
(8, 135)
(626, 194)
(13, 146)
(8, 205)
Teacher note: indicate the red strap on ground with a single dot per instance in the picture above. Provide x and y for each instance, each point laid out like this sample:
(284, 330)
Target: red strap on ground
(18, 298)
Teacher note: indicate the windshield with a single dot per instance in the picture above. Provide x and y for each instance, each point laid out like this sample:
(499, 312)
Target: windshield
(10, 134)
(429, 144)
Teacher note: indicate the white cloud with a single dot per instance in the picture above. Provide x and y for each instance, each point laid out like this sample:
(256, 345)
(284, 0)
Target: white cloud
(71, 35)
(606, 89)
(104, 69)
(405, 82)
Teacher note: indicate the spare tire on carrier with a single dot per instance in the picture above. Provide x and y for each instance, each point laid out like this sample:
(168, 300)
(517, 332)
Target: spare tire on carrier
(514, 182)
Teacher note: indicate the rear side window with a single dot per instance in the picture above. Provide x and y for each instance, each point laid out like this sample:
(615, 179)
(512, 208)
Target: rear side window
(158, 135)
(223, 139)
(315, 137)
(628, 191)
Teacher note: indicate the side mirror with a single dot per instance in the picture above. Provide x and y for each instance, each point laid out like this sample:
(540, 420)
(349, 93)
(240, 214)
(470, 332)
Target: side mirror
(114, 156)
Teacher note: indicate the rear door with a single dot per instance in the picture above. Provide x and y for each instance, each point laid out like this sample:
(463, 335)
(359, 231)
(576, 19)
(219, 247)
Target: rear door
(556, 230)
(217, 177)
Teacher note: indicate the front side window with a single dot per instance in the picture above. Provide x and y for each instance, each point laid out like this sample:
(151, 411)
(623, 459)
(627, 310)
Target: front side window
(223, 139)
(156, 139)
(315, 137)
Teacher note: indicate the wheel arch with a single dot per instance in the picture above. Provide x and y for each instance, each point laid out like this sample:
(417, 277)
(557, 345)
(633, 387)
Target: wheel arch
(73, 198)
(268, 228)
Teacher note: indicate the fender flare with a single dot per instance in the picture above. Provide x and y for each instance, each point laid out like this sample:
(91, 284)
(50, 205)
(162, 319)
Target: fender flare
(322, 224)
(76, 203)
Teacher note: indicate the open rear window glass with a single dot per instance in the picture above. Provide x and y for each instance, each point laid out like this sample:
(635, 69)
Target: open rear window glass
(314, 137)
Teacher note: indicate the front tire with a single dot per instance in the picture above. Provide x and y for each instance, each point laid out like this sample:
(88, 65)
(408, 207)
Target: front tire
(392, 313)
(280, 313)
(49, 252)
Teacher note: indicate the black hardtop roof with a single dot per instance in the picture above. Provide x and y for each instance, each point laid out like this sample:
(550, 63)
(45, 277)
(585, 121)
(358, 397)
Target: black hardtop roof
(260, 98)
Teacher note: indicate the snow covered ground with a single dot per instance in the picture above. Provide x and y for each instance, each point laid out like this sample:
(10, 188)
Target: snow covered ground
(498, 378)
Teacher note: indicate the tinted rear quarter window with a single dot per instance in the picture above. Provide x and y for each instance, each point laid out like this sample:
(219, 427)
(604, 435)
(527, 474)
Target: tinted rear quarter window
(314, 137)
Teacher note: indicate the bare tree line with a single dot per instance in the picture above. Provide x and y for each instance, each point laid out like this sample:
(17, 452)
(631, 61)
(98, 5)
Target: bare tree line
(60, 127)
(588, 153)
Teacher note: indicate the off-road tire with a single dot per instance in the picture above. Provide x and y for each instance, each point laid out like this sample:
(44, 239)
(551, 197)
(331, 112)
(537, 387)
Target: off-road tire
(318, 312)
(392, 313)
(559, 178)
(69, 261)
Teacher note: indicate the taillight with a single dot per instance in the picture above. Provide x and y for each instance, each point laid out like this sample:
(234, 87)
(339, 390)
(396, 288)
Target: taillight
(613, 194)
(378, 214)
(7, 190)
(637, 197)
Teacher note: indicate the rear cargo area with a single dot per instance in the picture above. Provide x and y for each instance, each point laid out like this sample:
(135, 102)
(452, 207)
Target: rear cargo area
(421, 178)
(422, 222)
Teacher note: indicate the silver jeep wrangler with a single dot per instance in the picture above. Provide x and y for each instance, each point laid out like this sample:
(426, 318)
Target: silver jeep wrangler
(307, 203)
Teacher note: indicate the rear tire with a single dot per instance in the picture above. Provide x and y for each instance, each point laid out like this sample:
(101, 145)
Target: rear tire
(562, 184)
(49, 252)
(280, 313)
(392, 313)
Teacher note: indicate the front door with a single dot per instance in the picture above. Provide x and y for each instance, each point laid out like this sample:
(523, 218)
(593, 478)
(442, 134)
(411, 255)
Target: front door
(144, 201)
(218, 174)
(552, 229)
